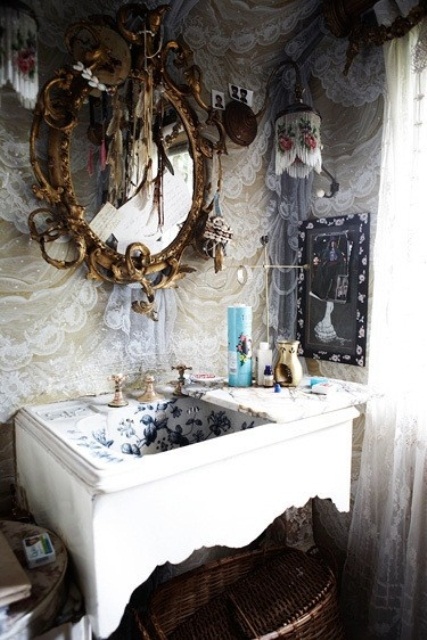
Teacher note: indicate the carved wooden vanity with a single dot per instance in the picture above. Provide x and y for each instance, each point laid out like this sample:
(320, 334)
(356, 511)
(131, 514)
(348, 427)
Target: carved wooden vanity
(121, 515)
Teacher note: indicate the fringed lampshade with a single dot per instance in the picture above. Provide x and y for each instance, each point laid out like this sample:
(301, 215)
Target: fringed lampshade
(297, 138)
(18, 50)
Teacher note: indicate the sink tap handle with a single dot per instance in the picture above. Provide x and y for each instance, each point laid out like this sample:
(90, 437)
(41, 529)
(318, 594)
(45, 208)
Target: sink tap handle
(118, 400)
(181, 368)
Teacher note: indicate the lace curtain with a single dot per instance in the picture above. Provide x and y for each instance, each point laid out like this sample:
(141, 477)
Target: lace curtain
(290, 203)
(385, 580)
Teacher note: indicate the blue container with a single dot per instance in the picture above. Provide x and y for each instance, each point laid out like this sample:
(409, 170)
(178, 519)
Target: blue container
(240, 345)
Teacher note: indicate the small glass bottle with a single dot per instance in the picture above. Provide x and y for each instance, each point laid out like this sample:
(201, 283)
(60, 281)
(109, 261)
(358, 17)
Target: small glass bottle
(268, 376)
(263, 357)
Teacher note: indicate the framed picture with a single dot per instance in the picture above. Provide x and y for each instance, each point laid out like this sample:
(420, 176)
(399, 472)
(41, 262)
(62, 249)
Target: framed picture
(332, 304)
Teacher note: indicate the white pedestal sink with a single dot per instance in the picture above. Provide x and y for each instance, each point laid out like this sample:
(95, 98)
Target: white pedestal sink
(121, 512)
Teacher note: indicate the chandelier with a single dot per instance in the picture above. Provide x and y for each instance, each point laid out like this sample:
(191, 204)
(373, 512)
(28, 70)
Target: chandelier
(18, 51)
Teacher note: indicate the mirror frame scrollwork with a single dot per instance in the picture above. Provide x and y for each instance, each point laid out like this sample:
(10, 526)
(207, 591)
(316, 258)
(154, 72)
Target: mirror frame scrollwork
(142, 54)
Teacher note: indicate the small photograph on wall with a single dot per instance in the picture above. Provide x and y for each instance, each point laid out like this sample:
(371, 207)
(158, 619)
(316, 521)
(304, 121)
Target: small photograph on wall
(218, 100)
(241, 94)
(333, 289)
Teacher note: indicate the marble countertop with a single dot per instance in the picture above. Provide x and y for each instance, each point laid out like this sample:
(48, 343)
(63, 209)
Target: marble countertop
(287, 405)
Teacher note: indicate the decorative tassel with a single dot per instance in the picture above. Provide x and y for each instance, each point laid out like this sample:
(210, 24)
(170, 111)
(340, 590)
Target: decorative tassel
(90, 161)
(103, 149)
(103, 154)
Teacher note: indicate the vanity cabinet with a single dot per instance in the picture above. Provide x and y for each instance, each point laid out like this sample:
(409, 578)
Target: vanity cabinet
(122, 515)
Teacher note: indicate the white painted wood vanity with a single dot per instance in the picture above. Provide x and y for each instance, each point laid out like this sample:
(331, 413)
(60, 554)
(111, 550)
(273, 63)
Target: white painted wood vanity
(122, 515)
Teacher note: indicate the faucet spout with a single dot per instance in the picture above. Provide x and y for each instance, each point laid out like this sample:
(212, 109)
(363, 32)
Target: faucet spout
(149, 394)
(181, 368)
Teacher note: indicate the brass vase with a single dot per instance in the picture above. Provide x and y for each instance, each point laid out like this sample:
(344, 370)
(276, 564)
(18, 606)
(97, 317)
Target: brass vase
(288, 370)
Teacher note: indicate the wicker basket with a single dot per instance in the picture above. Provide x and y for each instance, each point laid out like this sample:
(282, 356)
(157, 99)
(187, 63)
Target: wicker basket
(256, 595)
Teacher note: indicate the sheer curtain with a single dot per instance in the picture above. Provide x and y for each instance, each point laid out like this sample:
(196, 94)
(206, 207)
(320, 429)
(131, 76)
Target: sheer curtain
(385, 580)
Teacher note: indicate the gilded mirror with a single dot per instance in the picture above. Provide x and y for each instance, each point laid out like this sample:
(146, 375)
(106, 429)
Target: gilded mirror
(136, 102)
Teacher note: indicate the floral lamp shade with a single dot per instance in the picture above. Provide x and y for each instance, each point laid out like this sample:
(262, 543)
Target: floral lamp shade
(297, 140)
(18, 51)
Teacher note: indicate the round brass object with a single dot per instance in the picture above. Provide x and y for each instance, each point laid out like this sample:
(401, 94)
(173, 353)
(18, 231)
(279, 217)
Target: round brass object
(240, 123)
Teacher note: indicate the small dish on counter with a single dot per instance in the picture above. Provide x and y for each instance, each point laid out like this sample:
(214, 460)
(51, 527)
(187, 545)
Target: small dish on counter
(206, 379)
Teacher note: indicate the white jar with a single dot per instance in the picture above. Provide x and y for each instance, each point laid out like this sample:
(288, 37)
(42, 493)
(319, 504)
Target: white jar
(263, 357)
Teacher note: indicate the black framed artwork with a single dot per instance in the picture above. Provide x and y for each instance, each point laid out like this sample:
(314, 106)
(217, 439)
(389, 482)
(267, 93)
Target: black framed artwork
(332, 308)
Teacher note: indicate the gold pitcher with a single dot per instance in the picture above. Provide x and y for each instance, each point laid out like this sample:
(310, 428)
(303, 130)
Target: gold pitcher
(288, 370)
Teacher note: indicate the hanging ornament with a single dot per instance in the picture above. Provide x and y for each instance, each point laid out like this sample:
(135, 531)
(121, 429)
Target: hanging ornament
(297, 137)
(298, 141)
(217, 235)
(18, 51)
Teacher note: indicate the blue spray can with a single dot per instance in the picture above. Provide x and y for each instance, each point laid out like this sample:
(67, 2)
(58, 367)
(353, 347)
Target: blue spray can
(240, 345)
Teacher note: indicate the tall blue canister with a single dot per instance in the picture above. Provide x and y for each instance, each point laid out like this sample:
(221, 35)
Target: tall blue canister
(239, 345)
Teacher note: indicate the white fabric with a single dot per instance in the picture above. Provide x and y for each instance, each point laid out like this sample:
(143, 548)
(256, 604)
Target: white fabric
(386, 573)
(80, 630)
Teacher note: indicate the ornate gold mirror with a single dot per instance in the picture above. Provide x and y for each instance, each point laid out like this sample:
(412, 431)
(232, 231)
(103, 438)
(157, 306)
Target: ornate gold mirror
(136, 102)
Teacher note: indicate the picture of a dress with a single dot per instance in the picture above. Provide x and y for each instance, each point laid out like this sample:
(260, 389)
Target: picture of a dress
(333, 290)
(330, 264)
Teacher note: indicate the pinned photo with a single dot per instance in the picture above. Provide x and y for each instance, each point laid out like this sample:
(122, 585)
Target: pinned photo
(234, 91)
(241, 94)
(218, 101)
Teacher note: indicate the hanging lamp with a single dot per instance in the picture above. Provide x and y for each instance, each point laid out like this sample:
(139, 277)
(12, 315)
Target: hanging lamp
(297, 136)
(18, 50)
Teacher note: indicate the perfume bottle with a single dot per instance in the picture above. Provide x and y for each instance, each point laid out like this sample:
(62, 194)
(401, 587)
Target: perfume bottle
(263, 357)
(268, 376)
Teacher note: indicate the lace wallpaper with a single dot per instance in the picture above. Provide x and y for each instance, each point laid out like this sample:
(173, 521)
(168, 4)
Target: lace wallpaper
(62, 334)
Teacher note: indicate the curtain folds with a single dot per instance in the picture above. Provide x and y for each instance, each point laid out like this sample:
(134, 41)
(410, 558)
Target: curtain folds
(385, 580)
(290, 202)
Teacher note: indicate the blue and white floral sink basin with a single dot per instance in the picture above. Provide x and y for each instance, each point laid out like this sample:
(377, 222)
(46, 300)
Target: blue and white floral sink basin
(83, 470)
(109, 435)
